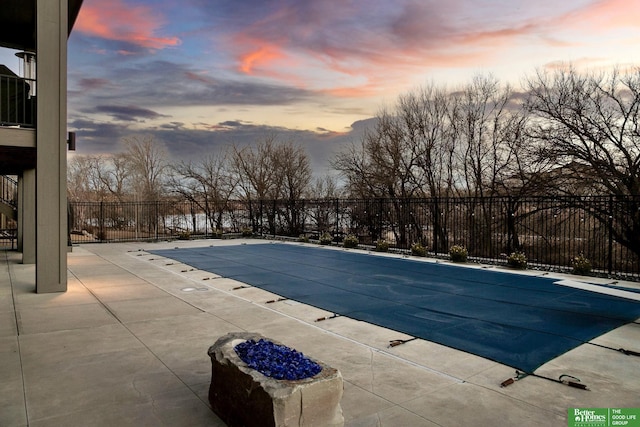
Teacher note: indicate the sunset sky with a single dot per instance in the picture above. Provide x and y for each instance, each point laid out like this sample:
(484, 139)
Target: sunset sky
(200, 74)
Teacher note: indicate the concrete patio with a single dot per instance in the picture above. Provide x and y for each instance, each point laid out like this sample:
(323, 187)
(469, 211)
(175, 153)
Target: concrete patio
(126, 345)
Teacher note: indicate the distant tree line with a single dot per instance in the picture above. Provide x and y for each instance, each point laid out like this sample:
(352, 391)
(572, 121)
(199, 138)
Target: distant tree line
(564, 133)
(268, 170)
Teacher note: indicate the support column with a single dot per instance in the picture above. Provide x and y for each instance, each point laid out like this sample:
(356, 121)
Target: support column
(20, 215)
(27, 216)
(51, 157)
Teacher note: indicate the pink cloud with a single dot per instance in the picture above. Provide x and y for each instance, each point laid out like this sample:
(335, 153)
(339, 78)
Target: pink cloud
(260, 55)
(362, 58)
(367, 49)
(608, 14)
(115, 20)
(273, 59)
(362, 91)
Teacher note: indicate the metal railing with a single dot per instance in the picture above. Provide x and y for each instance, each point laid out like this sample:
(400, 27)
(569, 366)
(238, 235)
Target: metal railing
(17, 107)
(8, 191)
(551, 231)
(8, 238)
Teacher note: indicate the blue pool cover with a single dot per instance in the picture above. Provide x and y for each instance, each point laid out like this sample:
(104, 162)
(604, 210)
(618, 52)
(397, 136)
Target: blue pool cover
(518, 320)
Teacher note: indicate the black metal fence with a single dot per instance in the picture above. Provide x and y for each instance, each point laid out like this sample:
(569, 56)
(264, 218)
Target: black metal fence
(551, 231)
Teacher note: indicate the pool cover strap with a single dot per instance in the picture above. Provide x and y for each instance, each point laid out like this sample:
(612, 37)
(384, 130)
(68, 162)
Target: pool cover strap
(568, 380)
(628, 352)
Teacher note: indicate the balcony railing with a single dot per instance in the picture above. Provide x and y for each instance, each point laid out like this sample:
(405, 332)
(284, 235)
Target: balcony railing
(17, 106)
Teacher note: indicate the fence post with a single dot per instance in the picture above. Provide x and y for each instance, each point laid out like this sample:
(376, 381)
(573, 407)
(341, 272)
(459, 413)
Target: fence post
(436, 225)
(207, 211)
(157, 215)
(610, 255)
(193, 217)
(509, 222)
(101, 235)
(382, 233)
(274, 218)
(303, 217)
(261, 219)
(337, 218)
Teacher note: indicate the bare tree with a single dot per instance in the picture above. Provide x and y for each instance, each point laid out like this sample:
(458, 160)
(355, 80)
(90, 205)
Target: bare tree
(424, 115)
(589, 124)
(438, 144)
(324, 187)
(147, 165)
(114, 174)
(81, 180)
(408, 153)
(481, 123)
(208, 184)
(293, 169)
(355, 167)
(591, 120)
(254, 169)
(293, 176)
(322, 196)
(97, 178)
(273, 171)
(385, 162)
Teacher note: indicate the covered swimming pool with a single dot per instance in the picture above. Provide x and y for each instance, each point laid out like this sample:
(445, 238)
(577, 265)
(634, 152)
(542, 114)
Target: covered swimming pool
(519, 320)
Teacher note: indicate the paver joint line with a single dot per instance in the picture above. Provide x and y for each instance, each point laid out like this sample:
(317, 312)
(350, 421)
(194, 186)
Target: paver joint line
(17, 323)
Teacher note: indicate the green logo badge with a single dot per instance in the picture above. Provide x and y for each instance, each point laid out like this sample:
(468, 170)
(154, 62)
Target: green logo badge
(603, 417)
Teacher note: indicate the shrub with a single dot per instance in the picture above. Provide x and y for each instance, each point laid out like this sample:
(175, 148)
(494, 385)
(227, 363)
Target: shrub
(517, 260)
(217, 234)
(303, 239)
(184, 235)
(350, 241)
(247, 232)
(326, 238)
(581, 265)
(382, 245)
(418, 250)
(458, 253)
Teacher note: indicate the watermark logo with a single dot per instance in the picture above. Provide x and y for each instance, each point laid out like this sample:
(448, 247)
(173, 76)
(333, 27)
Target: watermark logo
(603, 417)
(596, 417)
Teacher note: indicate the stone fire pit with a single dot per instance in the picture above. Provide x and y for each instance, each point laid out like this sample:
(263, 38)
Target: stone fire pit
(242, 396)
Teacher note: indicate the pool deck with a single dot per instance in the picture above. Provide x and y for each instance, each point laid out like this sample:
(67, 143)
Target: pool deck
(127, 344)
